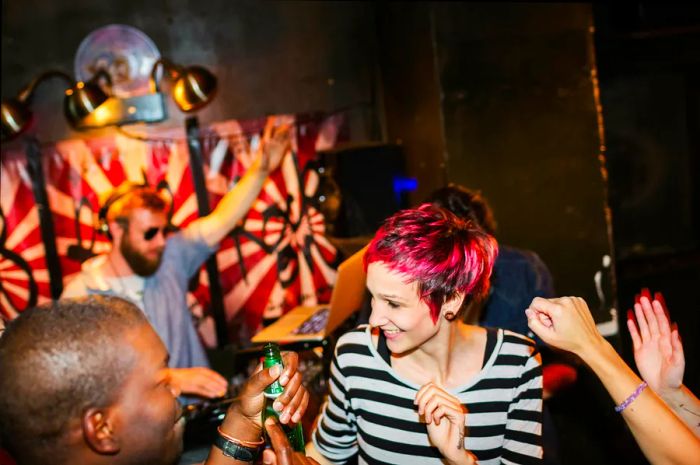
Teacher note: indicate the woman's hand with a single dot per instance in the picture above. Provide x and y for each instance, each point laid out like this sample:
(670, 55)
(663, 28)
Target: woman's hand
(565, 323)
(658, 351)
(445, 421)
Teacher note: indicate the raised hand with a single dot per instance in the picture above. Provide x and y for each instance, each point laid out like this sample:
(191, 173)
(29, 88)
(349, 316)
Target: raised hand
(658, 351)
(275, 143)
(199, 381)
(445, 420)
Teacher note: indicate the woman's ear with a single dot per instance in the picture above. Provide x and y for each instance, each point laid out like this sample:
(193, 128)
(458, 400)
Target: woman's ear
(451, 307)
(99, 431)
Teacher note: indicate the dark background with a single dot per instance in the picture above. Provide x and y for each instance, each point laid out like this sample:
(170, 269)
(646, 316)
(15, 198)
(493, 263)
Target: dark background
(499, 97)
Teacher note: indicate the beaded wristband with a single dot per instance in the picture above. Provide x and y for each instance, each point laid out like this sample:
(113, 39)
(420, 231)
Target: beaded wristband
(631, 398)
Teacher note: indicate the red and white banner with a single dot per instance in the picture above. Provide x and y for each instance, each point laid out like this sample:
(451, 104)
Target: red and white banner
(276, 259)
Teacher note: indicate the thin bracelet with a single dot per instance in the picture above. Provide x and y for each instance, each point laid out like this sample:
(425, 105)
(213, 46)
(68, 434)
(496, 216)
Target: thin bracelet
(241, 441)
(631, 398)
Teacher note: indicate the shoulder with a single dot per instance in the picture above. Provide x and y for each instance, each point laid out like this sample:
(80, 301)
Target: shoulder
(517, 344)
(507, 253)
(88, 277)
(354, 341)
(76, 287)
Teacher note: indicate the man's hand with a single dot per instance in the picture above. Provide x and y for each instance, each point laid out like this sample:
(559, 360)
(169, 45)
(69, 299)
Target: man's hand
(281, 452)
(658, 351)
(199, 381)
(290, 405)
(445, 421)
(275, 143)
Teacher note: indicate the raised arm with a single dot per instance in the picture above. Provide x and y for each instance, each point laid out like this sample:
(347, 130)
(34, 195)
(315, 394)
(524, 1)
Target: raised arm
(658, 353)
(236, 203)
(566, 323)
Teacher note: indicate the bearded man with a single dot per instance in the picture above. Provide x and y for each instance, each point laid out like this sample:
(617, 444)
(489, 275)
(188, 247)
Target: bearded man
(152, 270)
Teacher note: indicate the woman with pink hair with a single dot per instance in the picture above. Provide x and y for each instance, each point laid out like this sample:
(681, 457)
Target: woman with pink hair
(417, 385)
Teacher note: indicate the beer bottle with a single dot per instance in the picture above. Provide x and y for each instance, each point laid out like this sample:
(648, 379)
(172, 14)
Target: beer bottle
(294, 433)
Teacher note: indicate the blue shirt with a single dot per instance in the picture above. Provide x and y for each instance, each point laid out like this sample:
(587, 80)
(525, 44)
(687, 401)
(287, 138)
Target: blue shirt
(518, 277)
(164, 297)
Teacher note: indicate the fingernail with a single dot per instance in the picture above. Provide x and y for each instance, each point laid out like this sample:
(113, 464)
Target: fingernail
(275, 371)
(296, 417)
(283, 379)
(284, 418)
(278, 406)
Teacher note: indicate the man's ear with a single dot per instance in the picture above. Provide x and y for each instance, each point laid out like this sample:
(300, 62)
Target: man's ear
(116, 229)
(99, 431)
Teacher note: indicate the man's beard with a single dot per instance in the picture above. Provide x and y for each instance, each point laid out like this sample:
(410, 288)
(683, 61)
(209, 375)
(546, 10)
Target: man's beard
(141, 265)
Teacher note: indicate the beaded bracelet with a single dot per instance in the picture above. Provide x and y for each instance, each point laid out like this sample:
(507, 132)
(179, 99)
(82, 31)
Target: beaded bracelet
(631, 398)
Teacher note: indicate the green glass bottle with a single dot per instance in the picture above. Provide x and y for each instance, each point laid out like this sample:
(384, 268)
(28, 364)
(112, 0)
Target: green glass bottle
(295, 433)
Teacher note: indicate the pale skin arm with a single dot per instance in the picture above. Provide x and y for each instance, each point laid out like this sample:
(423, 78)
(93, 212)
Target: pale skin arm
(235, 204)
(566, 323)
(658, 353)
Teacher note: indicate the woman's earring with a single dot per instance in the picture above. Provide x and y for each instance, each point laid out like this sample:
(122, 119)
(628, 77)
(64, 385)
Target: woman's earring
(449, 316)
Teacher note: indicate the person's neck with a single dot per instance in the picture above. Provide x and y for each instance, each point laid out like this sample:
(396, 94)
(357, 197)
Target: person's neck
(116, 265)
(441, 351)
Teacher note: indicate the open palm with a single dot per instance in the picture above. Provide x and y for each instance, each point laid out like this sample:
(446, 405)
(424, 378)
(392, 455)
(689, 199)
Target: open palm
(658, 352)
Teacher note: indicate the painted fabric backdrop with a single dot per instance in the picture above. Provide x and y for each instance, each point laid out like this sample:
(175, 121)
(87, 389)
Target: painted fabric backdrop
(277, 258)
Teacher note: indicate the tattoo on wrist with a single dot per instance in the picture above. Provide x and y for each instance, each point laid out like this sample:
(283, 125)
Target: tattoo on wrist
(683, 407)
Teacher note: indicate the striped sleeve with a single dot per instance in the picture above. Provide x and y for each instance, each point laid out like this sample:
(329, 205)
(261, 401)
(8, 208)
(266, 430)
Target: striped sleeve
(336, 434)
(523, 436)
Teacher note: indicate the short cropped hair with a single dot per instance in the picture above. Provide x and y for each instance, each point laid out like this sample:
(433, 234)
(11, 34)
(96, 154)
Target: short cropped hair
(465, 203)
(445, 254)
(129, 197)
(57, 360)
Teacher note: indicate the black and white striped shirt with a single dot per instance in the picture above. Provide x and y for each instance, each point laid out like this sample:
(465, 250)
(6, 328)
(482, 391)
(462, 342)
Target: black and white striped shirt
(370, 407)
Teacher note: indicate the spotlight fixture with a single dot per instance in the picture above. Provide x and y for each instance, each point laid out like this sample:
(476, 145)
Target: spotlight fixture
(80, 100)
(193, 86)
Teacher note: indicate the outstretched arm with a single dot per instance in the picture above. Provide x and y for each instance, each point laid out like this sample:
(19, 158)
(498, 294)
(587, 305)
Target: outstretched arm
(658, 353)
(236, 203)
(566, 323)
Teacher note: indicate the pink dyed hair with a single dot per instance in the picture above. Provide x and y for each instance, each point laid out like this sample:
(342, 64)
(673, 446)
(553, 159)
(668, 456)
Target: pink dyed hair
(446, 255)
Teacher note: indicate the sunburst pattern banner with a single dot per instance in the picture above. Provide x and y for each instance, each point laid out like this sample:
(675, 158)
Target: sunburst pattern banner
(277, 258)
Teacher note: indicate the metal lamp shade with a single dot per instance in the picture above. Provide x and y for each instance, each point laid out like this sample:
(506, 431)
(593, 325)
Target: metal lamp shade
(15, 117)
(194, 88)
(81, 100)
